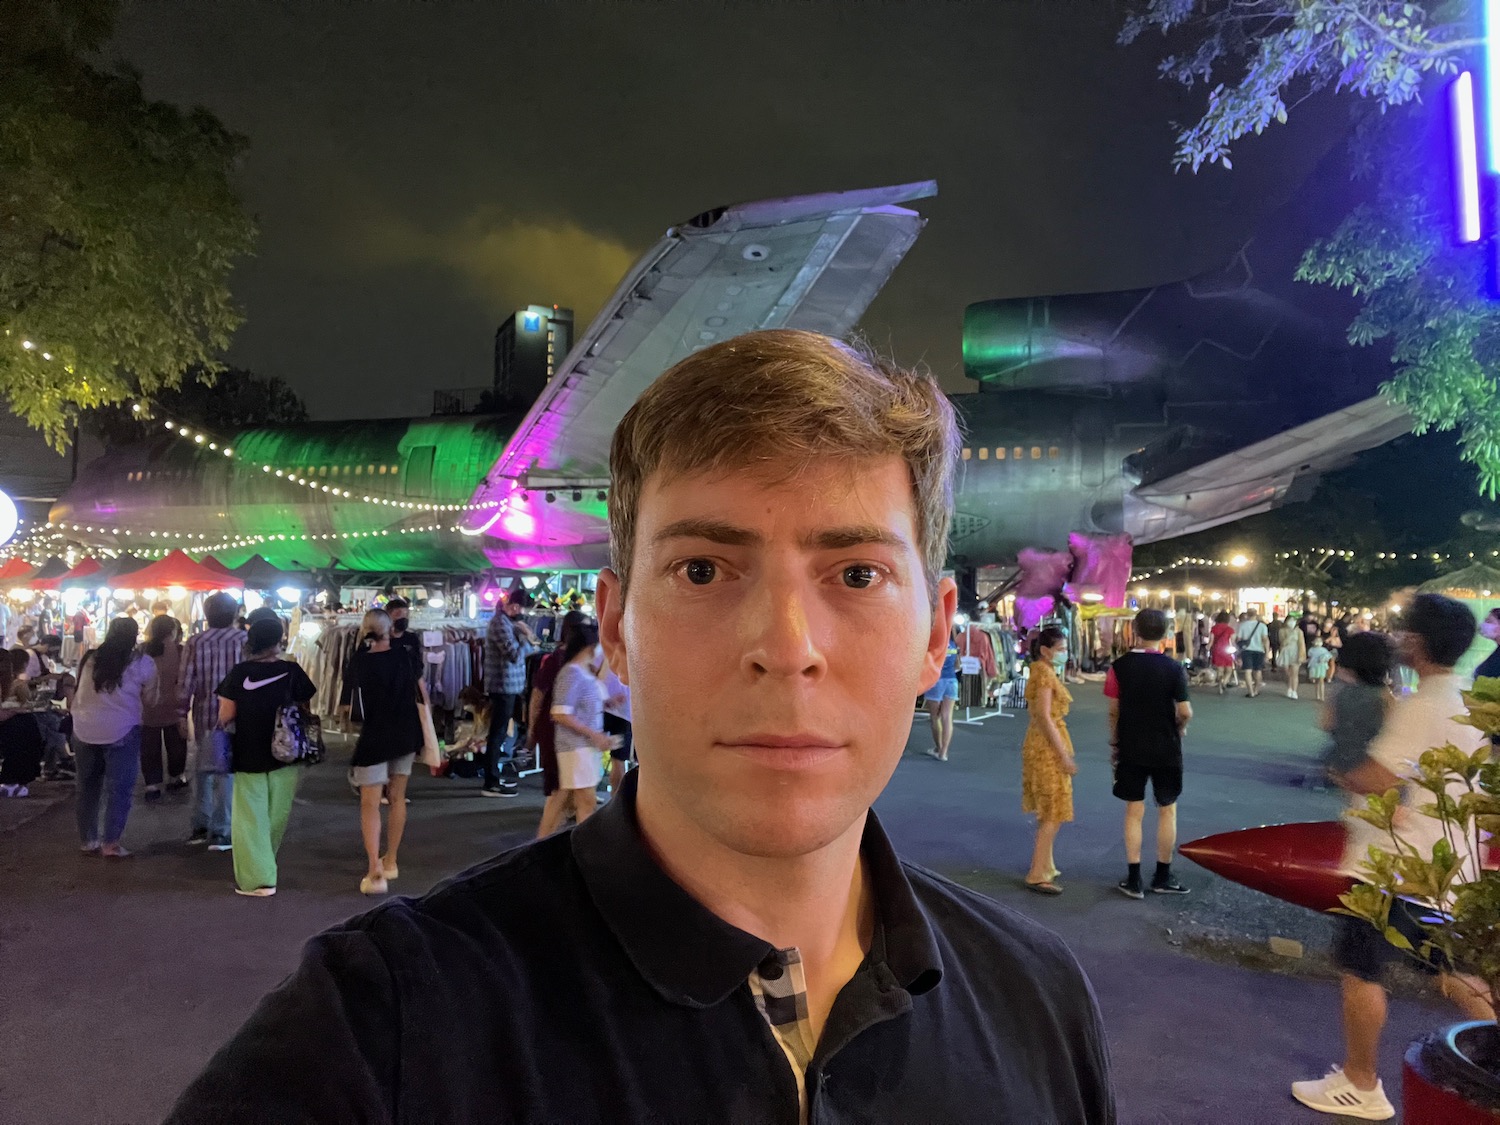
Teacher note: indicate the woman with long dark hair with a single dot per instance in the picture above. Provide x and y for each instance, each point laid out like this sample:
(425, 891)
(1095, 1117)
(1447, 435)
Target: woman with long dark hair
(389, 740)
(1047, 764)
(115, 682)
(539, 706)
(161, 721)
(578, 721)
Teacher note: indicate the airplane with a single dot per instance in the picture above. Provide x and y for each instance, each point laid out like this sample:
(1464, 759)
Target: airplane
(1153, 413)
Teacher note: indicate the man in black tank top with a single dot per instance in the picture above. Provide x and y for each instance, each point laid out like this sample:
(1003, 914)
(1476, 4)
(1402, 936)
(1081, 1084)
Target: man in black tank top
(1148, 713)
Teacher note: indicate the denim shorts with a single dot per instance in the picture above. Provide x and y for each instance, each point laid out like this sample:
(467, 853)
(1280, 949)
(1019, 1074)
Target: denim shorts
(382, 772)
(943, 689)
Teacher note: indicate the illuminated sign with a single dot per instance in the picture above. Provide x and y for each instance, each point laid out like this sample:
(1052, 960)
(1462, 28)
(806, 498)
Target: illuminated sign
(1465, 137)
(531, 321)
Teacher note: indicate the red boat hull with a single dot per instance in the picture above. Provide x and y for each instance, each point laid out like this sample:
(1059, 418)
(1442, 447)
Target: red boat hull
(1296, 863)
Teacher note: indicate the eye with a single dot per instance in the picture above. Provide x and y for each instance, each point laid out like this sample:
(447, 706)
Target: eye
(700, 572)
(861, 577)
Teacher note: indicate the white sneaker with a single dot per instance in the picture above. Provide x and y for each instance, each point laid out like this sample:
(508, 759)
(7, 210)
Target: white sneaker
(258, 892)
(1334, 1093)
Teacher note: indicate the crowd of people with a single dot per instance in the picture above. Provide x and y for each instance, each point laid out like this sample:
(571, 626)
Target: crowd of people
(1374, 731)
(208, 712)
(1293, 645)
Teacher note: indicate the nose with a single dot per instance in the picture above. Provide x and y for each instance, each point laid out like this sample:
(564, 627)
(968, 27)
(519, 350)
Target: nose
(780, 639)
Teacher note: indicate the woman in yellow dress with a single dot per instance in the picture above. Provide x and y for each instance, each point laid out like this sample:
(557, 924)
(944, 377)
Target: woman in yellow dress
(1047, 765)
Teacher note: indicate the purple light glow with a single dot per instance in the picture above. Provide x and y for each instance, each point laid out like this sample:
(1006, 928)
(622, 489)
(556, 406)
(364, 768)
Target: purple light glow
(1491, 85)
(1465, 158)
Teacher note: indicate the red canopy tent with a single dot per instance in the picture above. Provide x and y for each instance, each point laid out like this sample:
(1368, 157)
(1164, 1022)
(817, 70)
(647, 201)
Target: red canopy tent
(16, 571)
(177, 570)
(84, 569)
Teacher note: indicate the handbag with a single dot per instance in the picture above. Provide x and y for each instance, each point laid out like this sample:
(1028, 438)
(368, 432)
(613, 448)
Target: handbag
(298, 734)
(221, 749)
(431, 755)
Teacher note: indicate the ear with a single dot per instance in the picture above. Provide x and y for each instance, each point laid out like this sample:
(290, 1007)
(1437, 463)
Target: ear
(609, 608)
(944, 606)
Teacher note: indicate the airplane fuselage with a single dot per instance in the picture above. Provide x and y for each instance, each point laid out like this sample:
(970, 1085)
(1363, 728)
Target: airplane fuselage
(1035, 466)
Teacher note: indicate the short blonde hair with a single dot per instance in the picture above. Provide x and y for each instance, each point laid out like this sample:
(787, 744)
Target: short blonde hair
(786, 398)
(375, 626)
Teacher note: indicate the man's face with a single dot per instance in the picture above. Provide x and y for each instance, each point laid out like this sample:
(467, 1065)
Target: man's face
(774, 639)
(512, 609)
(398, 615)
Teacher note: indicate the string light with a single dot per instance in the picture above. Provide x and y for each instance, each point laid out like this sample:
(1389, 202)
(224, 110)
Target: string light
(201, 438)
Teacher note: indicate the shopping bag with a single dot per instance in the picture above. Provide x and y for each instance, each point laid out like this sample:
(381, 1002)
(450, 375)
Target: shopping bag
(431, 755)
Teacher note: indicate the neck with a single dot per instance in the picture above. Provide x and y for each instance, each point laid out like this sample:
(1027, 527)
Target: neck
(1426, 668)
(1151, 646)
(821, 903)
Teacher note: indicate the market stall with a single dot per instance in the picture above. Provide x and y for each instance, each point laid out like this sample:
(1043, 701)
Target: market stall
(177, 579)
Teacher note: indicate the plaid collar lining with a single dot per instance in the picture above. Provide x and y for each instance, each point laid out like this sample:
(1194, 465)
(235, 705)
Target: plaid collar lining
(780, 989)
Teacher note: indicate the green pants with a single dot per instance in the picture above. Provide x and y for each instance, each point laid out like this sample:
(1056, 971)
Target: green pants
(262, 803)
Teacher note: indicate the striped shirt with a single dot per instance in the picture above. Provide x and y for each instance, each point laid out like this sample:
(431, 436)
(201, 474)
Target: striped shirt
(207, 658)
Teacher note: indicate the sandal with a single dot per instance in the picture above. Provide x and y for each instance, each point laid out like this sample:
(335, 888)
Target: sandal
(1047, 887)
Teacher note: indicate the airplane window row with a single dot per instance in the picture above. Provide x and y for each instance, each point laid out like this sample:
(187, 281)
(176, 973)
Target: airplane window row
(300, 471)
(346, 470)
(1013, 453)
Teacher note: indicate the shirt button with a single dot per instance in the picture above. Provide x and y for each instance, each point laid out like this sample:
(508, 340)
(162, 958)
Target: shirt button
(770, 968)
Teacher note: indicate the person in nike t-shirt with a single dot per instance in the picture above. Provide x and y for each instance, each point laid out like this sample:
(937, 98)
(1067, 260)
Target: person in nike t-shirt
(250, 698)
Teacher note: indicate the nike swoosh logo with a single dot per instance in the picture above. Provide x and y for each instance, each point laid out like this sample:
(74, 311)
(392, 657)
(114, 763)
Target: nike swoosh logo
(251, 685)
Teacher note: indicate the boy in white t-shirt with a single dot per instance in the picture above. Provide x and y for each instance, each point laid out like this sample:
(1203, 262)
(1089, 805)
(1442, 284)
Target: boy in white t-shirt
(1437, 631)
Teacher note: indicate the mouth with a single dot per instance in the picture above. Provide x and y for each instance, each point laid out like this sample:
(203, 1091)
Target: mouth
(789, 752)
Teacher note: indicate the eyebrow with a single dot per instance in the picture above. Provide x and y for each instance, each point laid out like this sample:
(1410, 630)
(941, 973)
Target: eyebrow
(829, 539)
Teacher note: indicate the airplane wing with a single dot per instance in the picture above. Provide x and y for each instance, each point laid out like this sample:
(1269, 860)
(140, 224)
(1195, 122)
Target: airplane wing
(1259, 477)
(813, 262)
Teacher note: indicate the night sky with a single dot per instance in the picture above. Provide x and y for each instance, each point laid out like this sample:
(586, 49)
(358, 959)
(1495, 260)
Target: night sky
(420, 169)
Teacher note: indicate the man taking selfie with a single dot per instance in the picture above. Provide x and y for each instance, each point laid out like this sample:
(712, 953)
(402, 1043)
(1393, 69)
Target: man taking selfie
(732, 938)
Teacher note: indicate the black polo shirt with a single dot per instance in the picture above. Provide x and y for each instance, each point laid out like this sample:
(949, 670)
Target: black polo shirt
(571, 980)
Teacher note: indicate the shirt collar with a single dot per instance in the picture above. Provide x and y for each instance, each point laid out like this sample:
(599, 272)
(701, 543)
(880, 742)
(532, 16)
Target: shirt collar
(693, 957)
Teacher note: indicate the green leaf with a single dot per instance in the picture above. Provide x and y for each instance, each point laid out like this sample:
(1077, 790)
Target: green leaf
(1397, 938)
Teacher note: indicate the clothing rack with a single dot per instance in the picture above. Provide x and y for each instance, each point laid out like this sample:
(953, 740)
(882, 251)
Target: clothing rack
(974, 676)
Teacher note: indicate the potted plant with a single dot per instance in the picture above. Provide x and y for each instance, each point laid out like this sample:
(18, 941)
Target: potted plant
(1450, 1076)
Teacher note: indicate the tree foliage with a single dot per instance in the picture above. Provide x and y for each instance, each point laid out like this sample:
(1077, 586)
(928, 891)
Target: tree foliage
(119, 223)
(1259, 53)
(220, 402)
(1420, 295)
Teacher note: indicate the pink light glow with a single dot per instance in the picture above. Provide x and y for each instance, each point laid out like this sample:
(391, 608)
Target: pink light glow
(519, 525)
(491, 594)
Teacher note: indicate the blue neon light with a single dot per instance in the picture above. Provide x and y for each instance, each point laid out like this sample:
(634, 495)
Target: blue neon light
(1491, 93)
(531, 321)
(1465, 158)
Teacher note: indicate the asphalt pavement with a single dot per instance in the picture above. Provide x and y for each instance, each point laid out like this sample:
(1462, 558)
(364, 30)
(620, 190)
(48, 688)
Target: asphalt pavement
(119, 979)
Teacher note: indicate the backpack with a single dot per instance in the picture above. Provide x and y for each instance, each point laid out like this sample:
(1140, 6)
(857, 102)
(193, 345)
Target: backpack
(298, 735)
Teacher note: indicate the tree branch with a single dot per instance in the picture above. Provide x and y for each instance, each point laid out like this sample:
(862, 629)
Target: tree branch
(1446, 47)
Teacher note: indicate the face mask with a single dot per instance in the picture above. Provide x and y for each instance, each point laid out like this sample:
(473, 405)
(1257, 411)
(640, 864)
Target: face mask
(1060, 660)
(398, 625)
(1489, 629)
